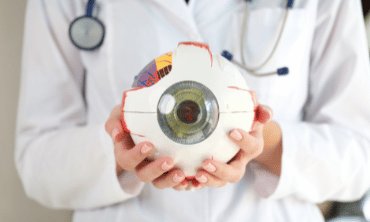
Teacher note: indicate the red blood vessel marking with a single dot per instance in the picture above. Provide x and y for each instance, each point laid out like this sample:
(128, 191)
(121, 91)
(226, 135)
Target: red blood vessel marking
(137, 135)
(200, 45)
(124, 125)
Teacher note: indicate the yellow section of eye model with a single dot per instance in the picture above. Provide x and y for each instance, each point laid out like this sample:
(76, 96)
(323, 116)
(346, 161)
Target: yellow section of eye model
(163, 61)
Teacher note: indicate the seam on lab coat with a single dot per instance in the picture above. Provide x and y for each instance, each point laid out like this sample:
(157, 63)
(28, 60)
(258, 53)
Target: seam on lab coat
(52, 33)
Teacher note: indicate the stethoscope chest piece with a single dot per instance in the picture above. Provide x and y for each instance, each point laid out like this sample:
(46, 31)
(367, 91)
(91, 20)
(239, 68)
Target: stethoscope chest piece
(87, 32)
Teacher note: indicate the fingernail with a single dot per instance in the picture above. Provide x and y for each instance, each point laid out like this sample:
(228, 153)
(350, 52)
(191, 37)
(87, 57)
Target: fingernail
(210, 168)
(202, 179)
(177, 178)
(235, 134)
(115, 132)
(145, 149)
(165, 166)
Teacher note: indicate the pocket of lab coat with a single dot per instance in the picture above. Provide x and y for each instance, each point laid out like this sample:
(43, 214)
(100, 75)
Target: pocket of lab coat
(293, 52)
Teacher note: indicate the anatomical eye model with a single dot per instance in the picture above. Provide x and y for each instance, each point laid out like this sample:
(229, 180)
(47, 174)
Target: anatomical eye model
(185, 103)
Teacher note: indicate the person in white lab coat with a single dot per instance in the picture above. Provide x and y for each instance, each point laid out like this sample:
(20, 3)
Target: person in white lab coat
(321, 122)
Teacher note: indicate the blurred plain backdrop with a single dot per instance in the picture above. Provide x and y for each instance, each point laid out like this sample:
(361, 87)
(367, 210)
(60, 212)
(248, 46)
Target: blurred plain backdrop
(14, 205)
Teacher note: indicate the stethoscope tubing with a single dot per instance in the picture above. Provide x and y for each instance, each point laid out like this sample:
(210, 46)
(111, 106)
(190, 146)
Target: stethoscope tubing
(277, 43)
(90, 8)
(253, 70)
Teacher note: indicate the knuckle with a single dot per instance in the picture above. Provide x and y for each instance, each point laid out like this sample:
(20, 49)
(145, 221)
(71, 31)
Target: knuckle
(127, 167)
(130, 168)
(135, 159)
(220, 183)
(233, 180)
(236, 178)
(239, 177)
(256, 151)
(116, 152)
(252, 149)
(158, 186)
(246, 144)
(142, 178)
(223, 174)
(177, 188)
(259, 151)
(107, 124)
(146, 180)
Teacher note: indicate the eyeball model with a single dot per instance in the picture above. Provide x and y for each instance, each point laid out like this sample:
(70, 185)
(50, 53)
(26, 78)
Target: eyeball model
(185, 103)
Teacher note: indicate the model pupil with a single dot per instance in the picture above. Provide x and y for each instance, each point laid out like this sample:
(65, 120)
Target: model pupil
(188, 112)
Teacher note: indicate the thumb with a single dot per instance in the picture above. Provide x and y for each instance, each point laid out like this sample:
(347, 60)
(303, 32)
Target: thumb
(264, 114)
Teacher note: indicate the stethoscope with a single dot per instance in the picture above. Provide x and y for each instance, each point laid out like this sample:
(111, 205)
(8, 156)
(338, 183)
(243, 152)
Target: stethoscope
(252, 71)
(87, 33)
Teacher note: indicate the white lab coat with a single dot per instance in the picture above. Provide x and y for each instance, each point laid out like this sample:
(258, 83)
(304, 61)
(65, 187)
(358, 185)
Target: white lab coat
(65, 158)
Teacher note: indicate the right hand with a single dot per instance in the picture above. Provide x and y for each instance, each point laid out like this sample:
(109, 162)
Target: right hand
(130, 157)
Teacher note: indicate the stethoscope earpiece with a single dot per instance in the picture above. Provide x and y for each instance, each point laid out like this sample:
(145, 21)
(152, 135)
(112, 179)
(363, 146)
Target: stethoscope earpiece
(227, 55)
(283, 71)
(87, 32)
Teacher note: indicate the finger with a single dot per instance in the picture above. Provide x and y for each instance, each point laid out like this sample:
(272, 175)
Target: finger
(147, 172)
(257, 127)
(181, 186)
(231, 172)
(126, 140)
(207, 179)
(264, 114)
(251, 143)
(130, 158)
(171, 179)
(113, 126)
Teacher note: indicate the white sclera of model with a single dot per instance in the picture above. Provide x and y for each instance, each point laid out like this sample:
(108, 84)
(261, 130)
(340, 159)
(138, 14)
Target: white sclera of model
(235, 106)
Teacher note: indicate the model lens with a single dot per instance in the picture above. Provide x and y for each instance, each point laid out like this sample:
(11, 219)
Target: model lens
(188, 112)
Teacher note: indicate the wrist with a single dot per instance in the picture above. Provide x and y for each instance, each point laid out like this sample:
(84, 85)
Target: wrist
(271, 155)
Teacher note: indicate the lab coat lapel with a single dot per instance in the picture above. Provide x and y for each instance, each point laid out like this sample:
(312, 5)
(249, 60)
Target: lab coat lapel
(179, 14)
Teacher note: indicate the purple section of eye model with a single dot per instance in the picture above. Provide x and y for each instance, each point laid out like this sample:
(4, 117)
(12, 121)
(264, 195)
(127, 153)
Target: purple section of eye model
(146, 77)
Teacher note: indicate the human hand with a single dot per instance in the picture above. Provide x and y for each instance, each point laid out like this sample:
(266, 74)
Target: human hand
(217, 174)
(130, 157)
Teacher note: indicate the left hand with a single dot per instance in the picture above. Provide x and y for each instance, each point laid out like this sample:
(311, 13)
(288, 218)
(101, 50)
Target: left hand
(218, 174)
